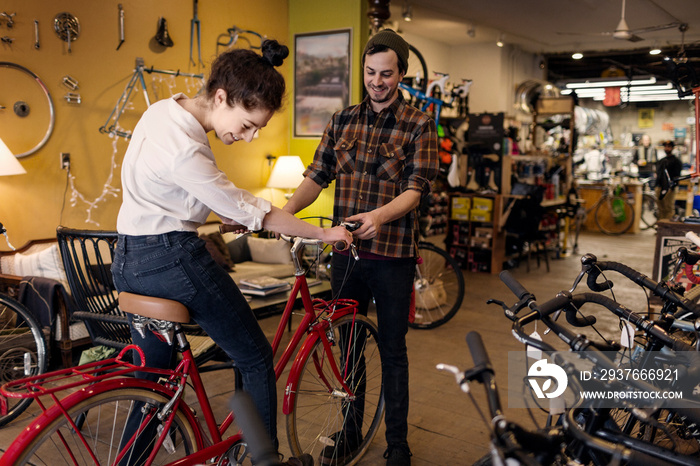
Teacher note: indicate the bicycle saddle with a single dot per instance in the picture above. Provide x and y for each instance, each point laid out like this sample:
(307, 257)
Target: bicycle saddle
(154, 308)
(162, 36)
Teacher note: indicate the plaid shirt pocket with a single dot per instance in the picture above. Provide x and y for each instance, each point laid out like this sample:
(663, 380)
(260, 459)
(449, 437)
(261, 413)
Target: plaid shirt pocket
(391, 162)
(345, 153)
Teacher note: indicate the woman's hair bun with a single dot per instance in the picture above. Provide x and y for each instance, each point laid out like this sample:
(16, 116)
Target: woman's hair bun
(274, 52)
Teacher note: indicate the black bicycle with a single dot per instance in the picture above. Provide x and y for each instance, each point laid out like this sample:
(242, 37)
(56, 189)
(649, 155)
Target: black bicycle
(23, 350)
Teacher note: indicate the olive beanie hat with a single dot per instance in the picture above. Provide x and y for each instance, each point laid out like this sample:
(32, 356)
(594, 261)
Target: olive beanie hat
(392, 40)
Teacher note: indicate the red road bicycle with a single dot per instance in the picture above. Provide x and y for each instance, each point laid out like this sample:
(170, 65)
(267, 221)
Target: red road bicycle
(335, 374)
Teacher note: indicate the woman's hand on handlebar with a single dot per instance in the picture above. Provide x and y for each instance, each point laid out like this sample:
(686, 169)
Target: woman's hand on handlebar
(233, 227)
(338, 236)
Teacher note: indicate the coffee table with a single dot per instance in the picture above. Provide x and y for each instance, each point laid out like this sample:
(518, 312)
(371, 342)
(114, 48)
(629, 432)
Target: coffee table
(265, 306)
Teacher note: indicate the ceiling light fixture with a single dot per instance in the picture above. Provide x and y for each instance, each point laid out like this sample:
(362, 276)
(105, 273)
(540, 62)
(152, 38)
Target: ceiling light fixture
(407, 12)
(500, 40)
(654, 50)
(471, 30)
(577, 56)
(605, 82)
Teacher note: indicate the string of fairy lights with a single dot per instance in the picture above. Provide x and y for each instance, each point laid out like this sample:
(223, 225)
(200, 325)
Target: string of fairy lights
(162, 87)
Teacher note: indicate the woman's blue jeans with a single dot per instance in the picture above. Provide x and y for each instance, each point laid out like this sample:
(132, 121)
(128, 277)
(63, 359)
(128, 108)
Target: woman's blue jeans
(177, 266)
(390, 283)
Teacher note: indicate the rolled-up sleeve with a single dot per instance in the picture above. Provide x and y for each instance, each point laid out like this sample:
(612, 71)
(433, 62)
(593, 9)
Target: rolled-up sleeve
(422, 167)
(322, 170)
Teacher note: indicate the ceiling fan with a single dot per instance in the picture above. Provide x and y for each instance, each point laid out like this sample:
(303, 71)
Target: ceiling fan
(623, 32)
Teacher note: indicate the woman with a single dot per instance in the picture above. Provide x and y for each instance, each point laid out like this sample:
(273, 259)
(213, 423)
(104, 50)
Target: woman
(171, 184)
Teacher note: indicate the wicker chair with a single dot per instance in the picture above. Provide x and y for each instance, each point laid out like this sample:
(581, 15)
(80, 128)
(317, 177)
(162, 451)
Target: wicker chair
(87, 257)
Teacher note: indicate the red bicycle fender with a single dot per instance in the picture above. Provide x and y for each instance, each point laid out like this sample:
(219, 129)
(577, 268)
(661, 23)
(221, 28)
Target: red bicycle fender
(290, 389)
(27, 434)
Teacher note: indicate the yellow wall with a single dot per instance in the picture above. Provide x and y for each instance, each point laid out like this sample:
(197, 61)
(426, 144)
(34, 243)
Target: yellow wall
(30, 205)
(311, 16)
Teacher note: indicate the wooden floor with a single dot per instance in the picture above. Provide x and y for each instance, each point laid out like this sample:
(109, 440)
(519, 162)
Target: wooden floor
(444, 426)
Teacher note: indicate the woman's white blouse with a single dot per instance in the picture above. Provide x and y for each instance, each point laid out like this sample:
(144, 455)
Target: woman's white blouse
(170, 180)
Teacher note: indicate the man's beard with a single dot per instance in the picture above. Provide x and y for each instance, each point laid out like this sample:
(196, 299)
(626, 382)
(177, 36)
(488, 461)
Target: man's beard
(390, 94)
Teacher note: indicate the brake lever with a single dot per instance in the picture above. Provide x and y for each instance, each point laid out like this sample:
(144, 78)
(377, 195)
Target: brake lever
(517, 307)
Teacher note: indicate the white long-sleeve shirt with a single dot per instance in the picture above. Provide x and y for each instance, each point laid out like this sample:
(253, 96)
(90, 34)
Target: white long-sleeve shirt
(170, 180)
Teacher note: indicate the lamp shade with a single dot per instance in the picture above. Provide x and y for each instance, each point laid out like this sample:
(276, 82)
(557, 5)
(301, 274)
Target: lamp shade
(288, 172)
(9, 165)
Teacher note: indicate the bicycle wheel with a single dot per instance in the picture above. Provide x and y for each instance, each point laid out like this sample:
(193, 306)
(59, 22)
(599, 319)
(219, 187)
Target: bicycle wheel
(101, 418)
(322, 408)
(22, 351)
(438, 286)
(649, 211)
(416, 74)
(663, 433)
(614, 215)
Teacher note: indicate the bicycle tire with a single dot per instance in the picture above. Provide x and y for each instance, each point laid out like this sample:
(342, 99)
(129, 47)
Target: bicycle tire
(23, 351)
(319, 411)
(650, 211)
(666, 436)
(416, 67)
(101, 417)
(439, 287)
(609, 223)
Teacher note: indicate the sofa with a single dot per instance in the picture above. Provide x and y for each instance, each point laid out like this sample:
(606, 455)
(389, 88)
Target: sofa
(34, 275)
(248, 256)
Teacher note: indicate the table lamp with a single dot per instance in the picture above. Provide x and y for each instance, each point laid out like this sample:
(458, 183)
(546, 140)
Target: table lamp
(288, 173)
(9, 165)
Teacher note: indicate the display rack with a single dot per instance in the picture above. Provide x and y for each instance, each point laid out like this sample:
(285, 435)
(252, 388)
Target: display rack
(473, 236)
(551, 167)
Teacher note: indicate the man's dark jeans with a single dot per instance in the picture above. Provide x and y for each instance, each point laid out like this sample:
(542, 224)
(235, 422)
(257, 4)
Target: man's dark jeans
(390, 283)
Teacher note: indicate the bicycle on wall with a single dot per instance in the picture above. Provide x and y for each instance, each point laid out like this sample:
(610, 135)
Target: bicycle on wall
(334, 381)
(23, 349)
(428, 97)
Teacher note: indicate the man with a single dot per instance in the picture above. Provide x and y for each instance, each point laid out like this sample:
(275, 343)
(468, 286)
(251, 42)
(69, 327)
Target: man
(645, 158)
(667, 169)
(382, 155)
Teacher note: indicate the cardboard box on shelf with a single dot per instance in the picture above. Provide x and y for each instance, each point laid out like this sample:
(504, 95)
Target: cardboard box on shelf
(480, 215)
(460, 208)
(482, 203)
(482, 232)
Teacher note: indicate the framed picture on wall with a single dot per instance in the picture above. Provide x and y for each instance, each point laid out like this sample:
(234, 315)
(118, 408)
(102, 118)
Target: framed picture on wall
(321, 79)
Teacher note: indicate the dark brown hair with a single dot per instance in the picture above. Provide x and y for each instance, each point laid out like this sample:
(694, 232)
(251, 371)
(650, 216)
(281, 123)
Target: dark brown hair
(250, 80)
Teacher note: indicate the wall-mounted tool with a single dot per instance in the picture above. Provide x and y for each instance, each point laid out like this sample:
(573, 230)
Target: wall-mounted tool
(37, 45)
(121, 25)
(70, 82)
(7, 40)
(67, 28)
(72, 98)
(10, 17)
(195, 24)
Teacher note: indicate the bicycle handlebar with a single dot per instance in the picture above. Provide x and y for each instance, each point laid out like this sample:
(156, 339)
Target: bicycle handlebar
(660, 289)
(513, 284)
(478, 351)
(535, 447)
(559, 303)
(339, 245)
